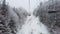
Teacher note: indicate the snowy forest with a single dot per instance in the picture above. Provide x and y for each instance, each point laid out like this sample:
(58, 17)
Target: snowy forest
(44, 19)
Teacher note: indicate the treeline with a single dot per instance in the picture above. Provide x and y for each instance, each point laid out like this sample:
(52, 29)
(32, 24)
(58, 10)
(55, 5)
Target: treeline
(49, 13)
(11, 18)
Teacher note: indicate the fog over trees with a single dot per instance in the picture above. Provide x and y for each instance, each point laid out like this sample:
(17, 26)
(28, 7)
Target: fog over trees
(49, 13)
(12, 19)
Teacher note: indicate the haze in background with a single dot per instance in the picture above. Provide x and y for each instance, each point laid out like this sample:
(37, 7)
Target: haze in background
(24, 4)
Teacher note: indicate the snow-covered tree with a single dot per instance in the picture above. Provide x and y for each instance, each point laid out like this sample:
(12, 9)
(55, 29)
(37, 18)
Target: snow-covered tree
(11, 19)
(49, 14)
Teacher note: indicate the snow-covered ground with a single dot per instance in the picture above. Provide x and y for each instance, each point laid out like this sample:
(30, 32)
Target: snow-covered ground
(33, 26)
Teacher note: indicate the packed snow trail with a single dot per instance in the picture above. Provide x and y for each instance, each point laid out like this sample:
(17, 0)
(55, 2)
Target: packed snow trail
(33, 26)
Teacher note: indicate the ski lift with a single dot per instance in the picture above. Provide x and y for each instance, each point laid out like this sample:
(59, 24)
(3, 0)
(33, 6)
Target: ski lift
(52, 11)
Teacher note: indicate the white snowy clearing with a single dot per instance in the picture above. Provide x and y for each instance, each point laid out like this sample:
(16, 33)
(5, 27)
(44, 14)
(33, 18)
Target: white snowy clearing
(33, 26)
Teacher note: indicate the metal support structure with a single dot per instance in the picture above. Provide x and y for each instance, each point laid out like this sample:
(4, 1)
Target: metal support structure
(29, 5)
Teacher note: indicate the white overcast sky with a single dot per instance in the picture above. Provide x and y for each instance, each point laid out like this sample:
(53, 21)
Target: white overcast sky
(24, 3)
